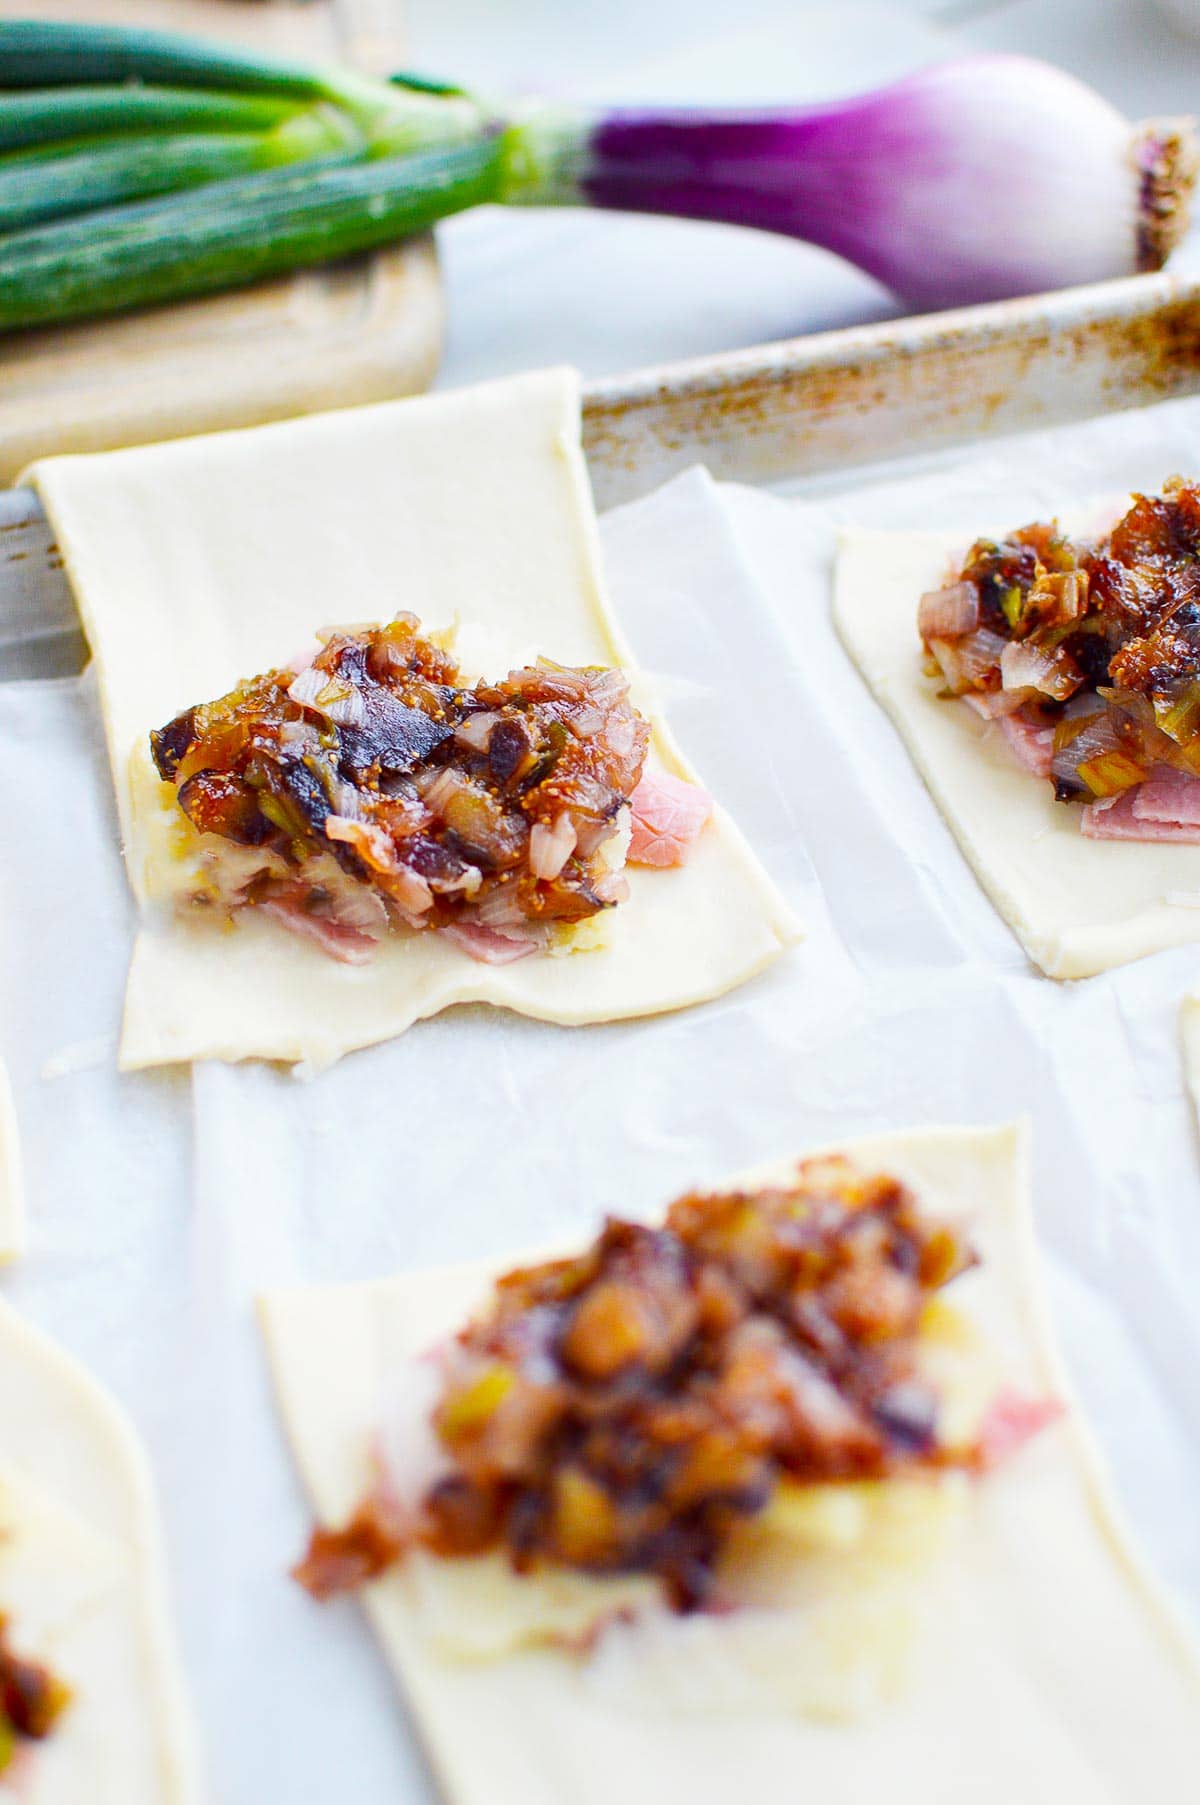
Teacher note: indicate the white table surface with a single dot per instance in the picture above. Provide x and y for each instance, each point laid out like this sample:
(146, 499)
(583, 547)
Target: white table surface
(611, 293)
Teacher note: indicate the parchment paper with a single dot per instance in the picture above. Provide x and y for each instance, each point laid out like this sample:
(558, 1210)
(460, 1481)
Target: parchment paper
(160, 1203)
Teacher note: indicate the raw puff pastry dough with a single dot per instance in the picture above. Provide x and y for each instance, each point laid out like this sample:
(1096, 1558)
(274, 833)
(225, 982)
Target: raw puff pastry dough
(1051, 1670)
(1077, 906)
(81, 1574)
(203, 561)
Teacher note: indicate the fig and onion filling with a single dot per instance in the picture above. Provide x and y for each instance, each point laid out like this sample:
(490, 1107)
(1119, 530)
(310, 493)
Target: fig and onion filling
(623, 1412)
(372, 789)
(1086, 655)
(31, 1702)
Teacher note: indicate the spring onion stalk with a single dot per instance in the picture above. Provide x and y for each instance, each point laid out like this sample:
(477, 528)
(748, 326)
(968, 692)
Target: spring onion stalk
(973, 180)
(41, 116)
(92, 117)
(47, 53)
(53, 62)
(232, 233)
(55, 56)
(40, 187)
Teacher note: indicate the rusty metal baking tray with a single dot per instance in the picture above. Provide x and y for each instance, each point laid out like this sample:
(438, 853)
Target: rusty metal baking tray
(786, 414)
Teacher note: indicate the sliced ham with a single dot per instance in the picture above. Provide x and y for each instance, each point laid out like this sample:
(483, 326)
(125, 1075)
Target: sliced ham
(1116, 818)
(1029, 742)
(1168, 796)
(486, 944)
(992, 702)
(1012, 1420)
(667, 816)
(349, 945)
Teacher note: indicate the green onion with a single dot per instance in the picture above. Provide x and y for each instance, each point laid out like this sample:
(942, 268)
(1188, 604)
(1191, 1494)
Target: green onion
(426, 84)
(232, 233)
(45, 54)
(39, 187)
(43, 188)
(972, 180)
(1011, 602)
(37, 117)
(37, 53)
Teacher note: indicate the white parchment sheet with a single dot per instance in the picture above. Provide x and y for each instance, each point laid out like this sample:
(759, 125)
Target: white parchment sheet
(162, 1202)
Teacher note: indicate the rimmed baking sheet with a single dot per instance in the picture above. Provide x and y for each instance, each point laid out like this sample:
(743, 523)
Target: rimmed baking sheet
(831, 407)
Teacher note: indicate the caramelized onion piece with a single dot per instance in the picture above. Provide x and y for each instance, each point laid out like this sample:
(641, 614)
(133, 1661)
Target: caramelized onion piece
(949, 613)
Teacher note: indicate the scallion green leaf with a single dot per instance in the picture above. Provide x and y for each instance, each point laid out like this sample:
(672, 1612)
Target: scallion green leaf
(42, 116)
(38, 187)
(46, 188)
(228, 234)
(53, 54)
(42, 53)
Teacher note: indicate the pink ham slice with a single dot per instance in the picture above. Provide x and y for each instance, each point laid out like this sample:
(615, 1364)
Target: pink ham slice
(668, 815)
(1168, 796)
(1012, 1420)
(993, 702)
(348, 945)
(1030, 743)
(486, 944)
(1165, 807)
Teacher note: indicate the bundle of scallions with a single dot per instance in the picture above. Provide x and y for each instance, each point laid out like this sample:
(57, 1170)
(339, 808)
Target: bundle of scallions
(138, 167)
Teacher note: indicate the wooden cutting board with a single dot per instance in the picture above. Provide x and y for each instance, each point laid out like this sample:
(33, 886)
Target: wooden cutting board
(356, 331)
